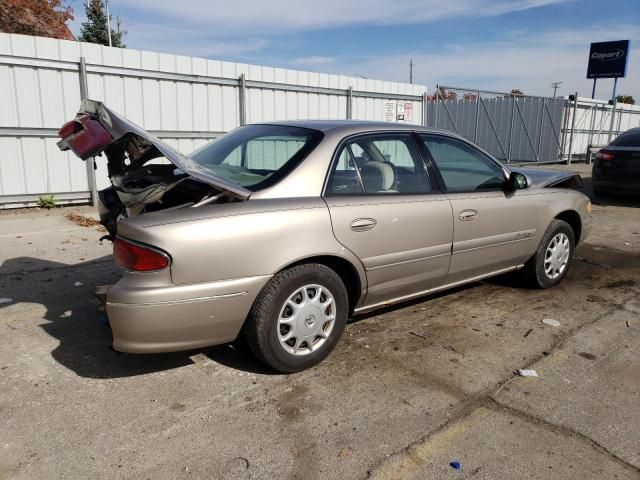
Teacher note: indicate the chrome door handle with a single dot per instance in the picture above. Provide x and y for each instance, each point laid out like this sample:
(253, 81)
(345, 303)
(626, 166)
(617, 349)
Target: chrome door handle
(467, 215)
(363, 224)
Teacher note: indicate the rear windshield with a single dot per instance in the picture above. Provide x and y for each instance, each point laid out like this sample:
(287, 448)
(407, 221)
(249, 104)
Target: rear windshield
(627, 139)
(257, 156)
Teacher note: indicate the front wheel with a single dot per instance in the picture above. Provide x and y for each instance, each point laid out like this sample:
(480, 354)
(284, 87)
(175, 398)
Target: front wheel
(298, 318)
(552, 259)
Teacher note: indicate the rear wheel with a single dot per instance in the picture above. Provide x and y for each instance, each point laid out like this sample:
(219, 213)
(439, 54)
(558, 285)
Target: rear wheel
(552, 259)
(298, 318)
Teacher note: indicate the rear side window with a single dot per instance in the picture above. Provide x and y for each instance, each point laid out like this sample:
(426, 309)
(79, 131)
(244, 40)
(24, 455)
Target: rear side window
(265, 153)
(627, 139)
(379, 164)
(257, 156)
(463, 167)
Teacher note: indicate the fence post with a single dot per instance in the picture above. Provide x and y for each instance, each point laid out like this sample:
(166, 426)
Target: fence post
(475, 128)
(89, 165)
(435, 115)
(592, 124)
(544, 103)
(564, 130)
(242, 99)
(513, 115)
(350, 102)
(425, 112)
(613, 114)
(573, 127)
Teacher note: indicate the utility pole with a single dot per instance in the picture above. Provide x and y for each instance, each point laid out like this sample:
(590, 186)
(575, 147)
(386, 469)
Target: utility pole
(555, 86)
(106, 4)
(411, 71)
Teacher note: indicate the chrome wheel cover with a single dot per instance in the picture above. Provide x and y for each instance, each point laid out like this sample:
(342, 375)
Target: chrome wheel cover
(306, 319)
(556, 257)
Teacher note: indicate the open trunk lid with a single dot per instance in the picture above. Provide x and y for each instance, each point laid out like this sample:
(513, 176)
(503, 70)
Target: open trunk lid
(98, 129)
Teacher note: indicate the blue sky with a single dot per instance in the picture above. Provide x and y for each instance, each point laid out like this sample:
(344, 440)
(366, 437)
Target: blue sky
(492, 44)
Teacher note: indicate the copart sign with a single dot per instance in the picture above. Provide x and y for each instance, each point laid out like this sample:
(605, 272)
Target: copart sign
(608, 59)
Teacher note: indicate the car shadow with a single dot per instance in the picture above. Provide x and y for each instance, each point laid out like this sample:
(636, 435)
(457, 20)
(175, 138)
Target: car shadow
(409, 303)
(74, 318)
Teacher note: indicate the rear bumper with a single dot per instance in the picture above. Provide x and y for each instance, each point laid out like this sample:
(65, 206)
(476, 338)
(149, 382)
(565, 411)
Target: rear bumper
(615, 181)
(617, 186)
(179, 317)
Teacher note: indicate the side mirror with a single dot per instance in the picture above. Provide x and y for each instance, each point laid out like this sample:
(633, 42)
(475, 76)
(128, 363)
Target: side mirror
(517, 181)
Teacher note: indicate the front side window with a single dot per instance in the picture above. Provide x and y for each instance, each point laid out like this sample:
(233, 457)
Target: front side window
(385, 163)
(463, 167)
(257, 156)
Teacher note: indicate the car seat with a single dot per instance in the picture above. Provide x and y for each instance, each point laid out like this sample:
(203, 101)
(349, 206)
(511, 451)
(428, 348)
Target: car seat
(378, 176)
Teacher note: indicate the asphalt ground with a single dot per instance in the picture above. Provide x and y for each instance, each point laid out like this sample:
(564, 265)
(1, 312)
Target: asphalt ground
(408, 391)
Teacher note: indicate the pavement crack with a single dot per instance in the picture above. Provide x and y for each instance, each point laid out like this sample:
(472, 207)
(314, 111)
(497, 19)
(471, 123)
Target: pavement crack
(486, 398)
(559, 429)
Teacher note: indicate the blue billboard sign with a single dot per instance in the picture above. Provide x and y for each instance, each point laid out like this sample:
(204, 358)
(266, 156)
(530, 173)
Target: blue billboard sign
(608, 59)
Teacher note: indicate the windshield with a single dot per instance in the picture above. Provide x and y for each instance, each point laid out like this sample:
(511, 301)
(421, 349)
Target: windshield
(257, 156)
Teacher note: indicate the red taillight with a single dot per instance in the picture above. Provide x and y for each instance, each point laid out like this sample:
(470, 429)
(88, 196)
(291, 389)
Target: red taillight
(605, 156)
(70, 128)
(136, 257)
(85, 136)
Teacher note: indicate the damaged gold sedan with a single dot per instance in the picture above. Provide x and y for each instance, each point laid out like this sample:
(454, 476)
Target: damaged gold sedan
(280, 231)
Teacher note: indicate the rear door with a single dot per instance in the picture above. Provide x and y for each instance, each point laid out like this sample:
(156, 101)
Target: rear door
(492, 229)
(385, 209)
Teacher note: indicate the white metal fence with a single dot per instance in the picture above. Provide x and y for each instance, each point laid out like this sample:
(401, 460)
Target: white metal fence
(186, 101)
(596, 124)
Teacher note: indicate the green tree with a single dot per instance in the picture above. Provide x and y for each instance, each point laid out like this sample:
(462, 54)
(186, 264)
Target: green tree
(625, 99)
(94, 30)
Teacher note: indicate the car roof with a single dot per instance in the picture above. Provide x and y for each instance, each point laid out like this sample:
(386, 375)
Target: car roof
(353, 126)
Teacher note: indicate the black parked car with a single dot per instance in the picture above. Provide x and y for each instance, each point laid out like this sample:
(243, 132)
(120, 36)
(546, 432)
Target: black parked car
(617, 166)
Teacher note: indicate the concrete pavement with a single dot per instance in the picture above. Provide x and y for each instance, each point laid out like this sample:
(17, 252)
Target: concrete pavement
(408, 390)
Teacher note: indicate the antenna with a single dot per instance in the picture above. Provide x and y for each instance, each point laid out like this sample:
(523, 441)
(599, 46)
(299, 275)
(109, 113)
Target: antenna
(411, 70)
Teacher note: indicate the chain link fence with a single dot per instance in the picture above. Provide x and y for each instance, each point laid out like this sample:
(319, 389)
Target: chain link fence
(515, 128)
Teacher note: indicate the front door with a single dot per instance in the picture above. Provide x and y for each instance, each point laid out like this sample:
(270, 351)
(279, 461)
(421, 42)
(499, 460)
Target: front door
(492, 229)
(385, 209)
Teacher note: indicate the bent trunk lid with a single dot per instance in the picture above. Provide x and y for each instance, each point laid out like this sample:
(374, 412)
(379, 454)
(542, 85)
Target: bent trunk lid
(119, 127)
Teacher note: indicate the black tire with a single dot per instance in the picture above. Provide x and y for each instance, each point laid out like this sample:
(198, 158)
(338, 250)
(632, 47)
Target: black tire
(261, 328)
(534, 270)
